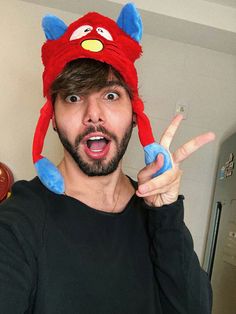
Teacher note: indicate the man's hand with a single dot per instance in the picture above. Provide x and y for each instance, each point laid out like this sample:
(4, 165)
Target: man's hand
(164, 189)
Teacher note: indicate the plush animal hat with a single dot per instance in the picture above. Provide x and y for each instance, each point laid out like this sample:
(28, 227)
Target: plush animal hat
(97, 37)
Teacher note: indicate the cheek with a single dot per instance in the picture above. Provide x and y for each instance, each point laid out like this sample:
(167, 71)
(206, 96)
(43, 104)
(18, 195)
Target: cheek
(119, 124)
(68, 124)
(121, 118)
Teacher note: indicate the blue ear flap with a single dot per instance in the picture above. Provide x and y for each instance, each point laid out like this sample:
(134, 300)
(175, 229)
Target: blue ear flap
(53, 27)
(130, 21)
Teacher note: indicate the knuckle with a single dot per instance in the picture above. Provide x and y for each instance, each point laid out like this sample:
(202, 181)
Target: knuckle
(139, 176)
(183, 151)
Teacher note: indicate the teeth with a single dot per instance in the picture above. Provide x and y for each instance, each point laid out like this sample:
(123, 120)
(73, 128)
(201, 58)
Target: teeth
(95, 138)
(96, 150)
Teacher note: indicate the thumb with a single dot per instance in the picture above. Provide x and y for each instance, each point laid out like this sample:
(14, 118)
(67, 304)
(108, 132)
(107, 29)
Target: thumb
(146, 173)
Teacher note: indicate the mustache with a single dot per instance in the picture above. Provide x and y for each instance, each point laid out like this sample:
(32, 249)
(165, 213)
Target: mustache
(93, 129)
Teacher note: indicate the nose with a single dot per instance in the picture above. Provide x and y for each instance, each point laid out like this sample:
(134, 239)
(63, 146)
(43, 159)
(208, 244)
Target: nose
(93, 111)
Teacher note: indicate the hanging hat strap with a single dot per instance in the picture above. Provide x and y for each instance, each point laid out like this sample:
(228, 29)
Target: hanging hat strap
(47, 172)
(151, 148)
(46, 113)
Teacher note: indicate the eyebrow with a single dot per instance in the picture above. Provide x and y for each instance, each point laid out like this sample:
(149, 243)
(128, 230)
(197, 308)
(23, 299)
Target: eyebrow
(116, 83)
(113, 83)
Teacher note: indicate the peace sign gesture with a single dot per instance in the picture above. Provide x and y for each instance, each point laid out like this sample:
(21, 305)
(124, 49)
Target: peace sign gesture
(164, 189)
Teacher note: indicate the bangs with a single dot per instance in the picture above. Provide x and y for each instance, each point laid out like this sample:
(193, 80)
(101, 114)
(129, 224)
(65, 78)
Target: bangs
(83, 76)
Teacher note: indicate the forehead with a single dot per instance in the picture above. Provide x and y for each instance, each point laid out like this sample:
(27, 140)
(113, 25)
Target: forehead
(112, 82)
(99, 80)
(109, 86)
(84, 76)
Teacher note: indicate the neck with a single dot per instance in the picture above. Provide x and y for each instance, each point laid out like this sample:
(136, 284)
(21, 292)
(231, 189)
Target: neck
(108, 193)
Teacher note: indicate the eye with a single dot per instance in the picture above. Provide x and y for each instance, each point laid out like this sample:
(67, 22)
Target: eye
(81, 31)
(112, 96)
(72, 98)
(104, 33)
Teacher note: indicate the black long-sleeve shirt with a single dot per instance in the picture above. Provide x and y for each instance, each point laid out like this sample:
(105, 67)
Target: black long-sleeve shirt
(57, 255)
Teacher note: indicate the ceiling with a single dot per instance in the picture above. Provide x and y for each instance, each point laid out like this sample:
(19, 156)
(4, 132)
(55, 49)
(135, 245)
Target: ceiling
(207, 23)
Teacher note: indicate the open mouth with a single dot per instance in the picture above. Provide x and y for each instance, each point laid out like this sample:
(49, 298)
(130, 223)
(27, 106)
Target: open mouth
(97, 146)
(97, 143)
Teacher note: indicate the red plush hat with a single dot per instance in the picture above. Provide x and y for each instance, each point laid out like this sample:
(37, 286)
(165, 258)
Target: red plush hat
(96, 37)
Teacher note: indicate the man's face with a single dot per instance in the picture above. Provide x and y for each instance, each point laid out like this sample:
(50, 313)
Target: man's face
(95, 128)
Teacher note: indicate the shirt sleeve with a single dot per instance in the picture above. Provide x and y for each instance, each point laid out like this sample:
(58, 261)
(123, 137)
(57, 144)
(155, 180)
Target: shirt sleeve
(16, 276)
(20, 239)
(184, 287)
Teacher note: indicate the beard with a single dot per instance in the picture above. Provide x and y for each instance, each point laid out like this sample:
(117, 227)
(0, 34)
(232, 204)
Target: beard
(97, 167)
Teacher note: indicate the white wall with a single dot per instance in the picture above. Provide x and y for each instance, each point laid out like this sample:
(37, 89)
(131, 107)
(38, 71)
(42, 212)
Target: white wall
(169, 72)
(204, 79)
(21, 84)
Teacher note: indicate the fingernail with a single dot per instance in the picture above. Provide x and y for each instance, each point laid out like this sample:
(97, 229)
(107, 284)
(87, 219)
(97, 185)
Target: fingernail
(143, 189)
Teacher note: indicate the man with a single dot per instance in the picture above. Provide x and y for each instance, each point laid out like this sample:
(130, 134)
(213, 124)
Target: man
(83, 237)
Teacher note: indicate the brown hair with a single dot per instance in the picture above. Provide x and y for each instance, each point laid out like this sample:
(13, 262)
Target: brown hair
(83, 76)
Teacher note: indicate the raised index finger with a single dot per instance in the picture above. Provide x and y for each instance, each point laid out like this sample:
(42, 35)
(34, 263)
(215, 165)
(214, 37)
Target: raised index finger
(169, 133)
(187, 149)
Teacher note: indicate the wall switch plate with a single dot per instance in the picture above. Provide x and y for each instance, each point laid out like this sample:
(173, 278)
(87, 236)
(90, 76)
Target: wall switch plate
(182, 108)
